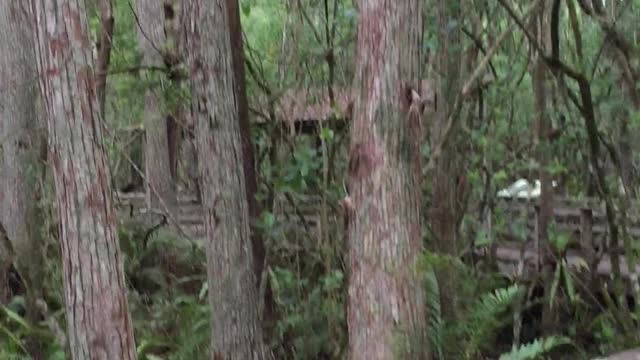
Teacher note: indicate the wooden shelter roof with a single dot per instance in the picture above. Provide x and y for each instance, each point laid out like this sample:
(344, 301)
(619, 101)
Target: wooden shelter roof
(313, 104)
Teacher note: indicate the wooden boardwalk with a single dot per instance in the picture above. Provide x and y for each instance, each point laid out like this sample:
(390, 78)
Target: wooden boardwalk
(583, 220)
(132, 205)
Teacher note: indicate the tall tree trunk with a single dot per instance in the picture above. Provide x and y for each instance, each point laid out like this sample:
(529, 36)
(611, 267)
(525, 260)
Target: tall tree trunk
(20, 148)
(160, 185)
(448, 168)
(542, 129)
(385, 302)
(236, 332)
(174, 56)
(98, 320)
(259, 250)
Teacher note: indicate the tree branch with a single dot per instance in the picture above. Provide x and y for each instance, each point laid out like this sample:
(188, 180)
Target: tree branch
(483, 64)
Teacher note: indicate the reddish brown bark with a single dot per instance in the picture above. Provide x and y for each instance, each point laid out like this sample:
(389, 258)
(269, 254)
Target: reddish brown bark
(236, 332)
(385, 303)
(98, 321)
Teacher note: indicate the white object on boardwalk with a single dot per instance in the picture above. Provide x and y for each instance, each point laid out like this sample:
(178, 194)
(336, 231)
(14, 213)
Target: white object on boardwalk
(522, 189)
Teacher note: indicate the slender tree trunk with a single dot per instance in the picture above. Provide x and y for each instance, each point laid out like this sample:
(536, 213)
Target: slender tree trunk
(174, 56)
(188, 157)
(448, 168)
(161, 190)
(542, 128)
(235, 31)
(20, 150)
(98, 321)
(385, 302)
(259, 250)
(236, 332)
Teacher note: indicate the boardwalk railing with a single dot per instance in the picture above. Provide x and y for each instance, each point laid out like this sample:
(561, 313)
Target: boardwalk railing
(190, 216)
(584, 220)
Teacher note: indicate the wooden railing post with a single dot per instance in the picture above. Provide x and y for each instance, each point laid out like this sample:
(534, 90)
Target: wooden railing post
(536, 237)
(586, 228)
(586, 236)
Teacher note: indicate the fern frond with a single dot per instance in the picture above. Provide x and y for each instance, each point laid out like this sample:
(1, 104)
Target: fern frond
(536, 349)
(484, 320)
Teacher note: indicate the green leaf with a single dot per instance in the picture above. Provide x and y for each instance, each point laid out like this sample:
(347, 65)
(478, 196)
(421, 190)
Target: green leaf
(559, 241)
(203, 291)
(143, 346)
(568, 281)
(246, 8)
(268, 220)
(536, 349)
(333, 281)
(326, 134)
(487, 317)
(13, 338)
(554, 285)
(482, 239)
(16, 318)
(500, 176)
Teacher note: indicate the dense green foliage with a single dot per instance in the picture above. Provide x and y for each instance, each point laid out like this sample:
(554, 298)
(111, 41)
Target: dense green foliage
(287, 46)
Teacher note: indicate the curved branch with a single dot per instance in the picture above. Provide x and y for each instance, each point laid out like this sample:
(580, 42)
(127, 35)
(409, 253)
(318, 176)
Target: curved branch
(478, 44)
